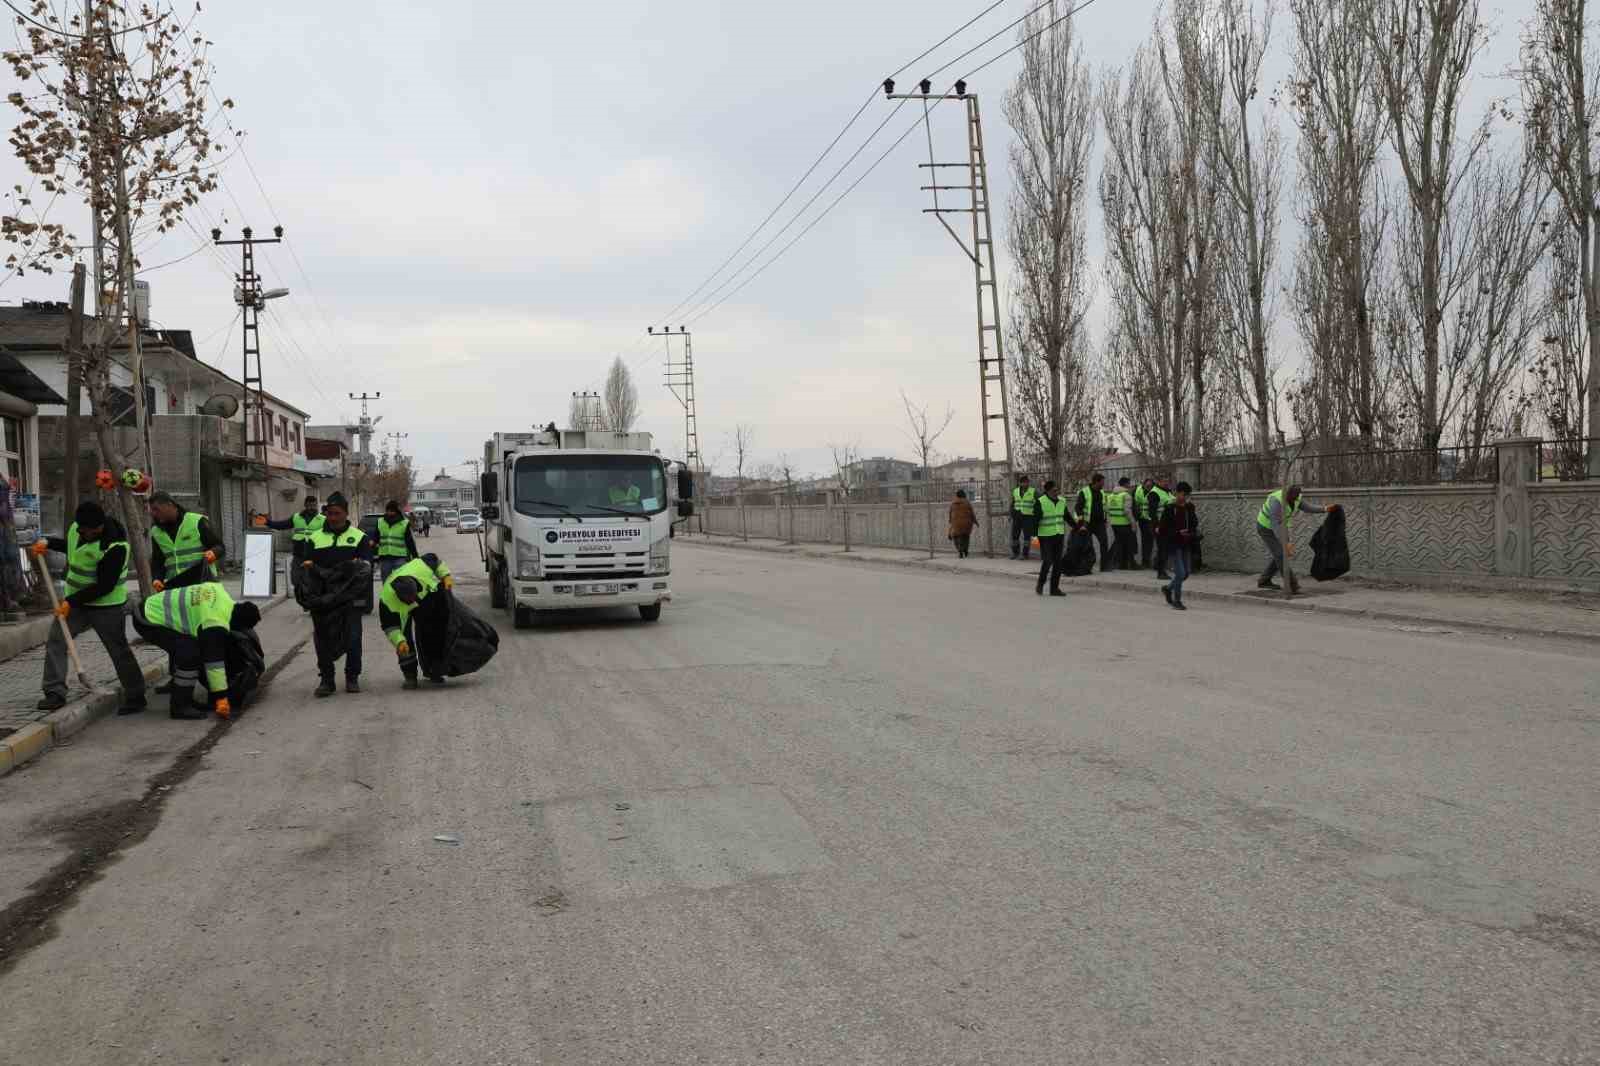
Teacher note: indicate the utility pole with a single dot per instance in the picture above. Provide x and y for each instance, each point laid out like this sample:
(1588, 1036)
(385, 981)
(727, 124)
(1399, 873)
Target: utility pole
(247, 293)
(991, 355)
(680, 382)
(394, 443)
(586, 407)
(363, 430)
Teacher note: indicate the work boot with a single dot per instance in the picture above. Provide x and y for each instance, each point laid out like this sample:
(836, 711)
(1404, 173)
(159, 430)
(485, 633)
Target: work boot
(352, 685)
(180, 704)
(1162, 575)
(51, 703)
(1038, 590)
(410, 683)
(1177, 605)
(1057, 592)
(435, 679)
(325, 688)
(1166, 590)
(1268, 583)
(164, 689)
(132, 705)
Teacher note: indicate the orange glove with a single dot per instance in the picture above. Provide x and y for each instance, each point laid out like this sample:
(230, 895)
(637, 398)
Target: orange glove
(38, 547)
(449, 582)
(1288, 550)
(158, 585)
(223, 708)
(63, 609)
(211, 556)
(306, 565)
(261, 520)
(402, 649)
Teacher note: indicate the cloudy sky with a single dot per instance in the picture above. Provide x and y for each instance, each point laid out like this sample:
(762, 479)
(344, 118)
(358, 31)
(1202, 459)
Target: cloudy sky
(492, 199)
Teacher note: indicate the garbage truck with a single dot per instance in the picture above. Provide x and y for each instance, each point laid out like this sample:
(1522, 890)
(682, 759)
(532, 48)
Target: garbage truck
(579, 519)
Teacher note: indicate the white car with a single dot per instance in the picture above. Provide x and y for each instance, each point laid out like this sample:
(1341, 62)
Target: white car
(469, 522)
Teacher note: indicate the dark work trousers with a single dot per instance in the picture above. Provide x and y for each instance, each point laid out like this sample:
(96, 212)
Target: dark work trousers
(963, 543)
(1161, 558)
(1050, 561)
(110, 625)
(1104, 555)
(1123, 548)
(183, 657)
(1023, 528)
(327, 655)
(1274, 547)
(1146, 542)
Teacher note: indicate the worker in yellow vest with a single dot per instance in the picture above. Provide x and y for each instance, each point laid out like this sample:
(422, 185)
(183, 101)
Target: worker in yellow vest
(1091, 516)
(414, 611)
(1161, 497)
(185, 549)
(1052, 535)
(1122, 519)
(1143, 501)
(191, 624)
(97, 553)
(1024, 517)
(1275, 525)
(396, 545)
(303, 522)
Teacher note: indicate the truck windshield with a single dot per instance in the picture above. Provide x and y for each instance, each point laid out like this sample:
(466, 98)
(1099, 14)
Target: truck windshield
(592, 485)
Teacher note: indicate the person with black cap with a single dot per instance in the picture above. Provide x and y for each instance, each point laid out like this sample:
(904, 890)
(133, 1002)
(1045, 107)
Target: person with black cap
(1091, 515)
(191, 624)
(303, 522)
(333, 551)
(97, 553)
(414, 611)
(185, 549)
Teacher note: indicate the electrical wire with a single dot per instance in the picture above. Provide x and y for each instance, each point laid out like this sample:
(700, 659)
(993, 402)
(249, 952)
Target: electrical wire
(24, 16)
(1028, 39)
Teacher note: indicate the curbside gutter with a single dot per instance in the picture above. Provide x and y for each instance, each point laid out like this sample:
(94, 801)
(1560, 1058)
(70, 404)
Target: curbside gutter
(32, 741)
(1102, 584)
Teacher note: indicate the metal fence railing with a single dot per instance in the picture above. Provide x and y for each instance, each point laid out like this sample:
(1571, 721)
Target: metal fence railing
(1568, 459)
(1395, 466)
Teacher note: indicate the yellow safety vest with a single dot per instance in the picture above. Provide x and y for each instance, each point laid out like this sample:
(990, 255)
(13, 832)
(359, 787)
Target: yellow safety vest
(83, 568)
(185, 550)
(427, 579)
(1024, 502)
(1117, 508)
(1053, 516)
(1264, 518)
(303, 527)
(392, 539)
(189, 610)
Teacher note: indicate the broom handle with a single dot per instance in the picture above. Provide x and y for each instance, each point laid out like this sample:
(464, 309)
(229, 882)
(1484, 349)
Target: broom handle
(66, 630)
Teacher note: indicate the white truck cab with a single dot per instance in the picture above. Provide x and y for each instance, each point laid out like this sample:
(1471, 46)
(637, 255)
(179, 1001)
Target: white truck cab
(577, 519)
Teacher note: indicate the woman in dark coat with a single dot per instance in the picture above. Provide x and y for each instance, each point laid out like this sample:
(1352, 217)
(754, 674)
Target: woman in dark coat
(962, 522)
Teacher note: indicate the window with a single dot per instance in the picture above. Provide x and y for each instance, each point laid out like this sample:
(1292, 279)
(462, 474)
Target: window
(282, 432)
(294, 435)
(11, 456)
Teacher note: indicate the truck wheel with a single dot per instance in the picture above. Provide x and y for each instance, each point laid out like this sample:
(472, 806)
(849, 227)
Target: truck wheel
(522, 618)
(497, 591)
(650, 612)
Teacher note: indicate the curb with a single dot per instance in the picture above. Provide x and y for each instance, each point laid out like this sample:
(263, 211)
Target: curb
(32, 741)
(925, 565)
(24, 636)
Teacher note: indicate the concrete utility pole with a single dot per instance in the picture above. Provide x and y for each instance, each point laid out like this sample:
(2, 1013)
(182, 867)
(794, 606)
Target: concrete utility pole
(991, 355)
(586, 411)
(680, 382)
(363, 429)
(250, 297)
(393, 447)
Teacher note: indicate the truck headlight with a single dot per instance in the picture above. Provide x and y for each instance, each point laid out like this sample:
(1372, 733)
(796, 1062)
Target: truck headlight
(660, 557)
(529, 566)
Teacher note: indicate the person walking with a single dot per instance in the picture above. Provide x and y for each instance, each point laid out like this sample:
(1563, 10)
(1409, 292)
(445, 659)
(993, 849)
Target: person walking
(1162, 496)
(1024, 518)
(963, 520)
(396, 545)
(1122, 518)
(414, 611)
(191, 624)
(1275, 526)
(337, 554)
(1052, 533)
(97, 553)
(1179, 529)
(185, 549)
(1142, 502)
(1091, 515)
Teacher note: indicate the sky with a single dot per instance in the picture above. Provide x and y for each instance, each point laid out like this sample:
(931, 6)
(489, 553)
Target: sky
(485, 202)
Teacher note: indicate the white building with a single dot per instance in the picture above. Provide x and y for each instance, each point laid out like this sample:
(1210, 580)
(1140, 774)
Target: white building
(445, 493)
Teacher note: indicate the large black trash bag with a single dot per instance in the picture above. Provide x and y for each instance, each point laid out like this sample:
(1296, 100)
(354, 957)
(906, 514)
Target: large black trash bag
(1078, 559)
(325, 589)
(246, 663)
(1331, 551)
(469, 641)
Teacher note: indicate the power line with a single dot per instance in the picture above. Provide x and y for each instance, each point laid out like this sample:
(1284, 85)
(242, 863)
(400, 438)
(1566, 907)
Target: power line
(1026, 40)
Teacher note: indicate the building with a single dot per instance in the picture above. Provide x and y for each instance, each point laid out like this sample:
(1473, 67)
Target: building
(445, 493)
(966, 471)
(881, 471)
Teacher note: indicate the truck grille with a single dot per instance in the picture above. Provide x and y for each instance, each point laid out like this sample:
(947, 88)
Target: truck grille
(630, 564)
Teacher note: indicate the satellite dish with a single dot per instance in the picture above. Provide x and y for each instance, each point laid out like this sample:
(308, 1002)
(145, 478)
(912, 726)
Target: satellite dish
(222, 405)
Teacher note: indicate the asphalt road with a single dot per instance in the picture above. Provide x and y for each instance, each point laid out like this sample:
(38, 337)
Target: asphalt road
(825, 813)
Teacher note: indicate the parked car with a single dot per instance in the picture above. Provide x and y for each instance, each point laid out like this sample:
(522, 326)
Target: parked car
(449, 519)
(469, 522)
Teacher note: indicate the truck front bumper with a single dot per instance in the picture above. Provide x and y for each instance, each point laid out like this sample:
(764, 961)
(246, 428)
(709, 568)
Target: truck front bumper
(580, 595)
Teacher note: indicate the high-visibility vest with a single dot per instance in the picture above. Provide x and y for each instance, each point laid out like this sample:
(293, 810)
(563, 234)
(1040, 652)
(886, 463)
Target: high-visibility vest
(304, 527)
(190, 609)
(318, 539)
(1141, 503)
(185, 550)
(392, 539)
(619, 497)
(1117, 508)
(1086, 503)
(1052, 516)
(1162, 498)
(83, 568)
(1024, 502)
(1264, 518)
(427, 579)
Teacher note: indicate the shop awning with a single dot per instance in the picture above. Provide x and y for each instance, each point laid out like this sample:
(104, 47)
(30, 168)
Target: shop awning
(24, 384)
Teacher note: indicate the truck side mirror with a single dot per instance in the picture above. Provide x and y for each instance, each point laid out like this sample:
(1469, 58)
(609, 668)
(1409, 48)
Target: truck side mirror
(685, 484)
(489, 512)
(486, 488)
(685, 508)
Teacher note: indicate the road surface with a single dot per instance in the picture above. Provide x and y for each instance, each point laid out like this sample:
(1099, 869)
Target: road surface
(832, 813)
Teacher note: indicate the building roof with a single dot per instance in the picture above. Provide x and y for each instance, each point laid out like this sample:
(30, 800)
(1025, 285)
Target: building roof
(19, 381)
(444, 483)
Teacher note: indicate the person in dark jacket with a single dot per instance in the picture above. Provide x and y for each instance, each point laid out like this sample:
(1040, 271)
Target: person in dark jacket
(97, 553)
(1090, 515)
(184, 548)
(1179, 531)
(333, 550)
(962, 522)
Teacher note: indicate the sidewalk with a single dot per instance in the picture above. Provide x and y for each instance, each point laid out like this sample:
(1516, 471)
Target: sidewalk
(1573, 616)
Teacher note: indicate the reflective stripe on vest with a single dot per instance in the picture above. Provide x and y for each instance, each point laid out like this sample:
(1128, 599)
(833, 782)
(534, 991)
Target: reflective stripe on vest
(321, 538)
(1141, 503)
(190, 609)
(1024, 502)
(427, 581)
(83, 569)
(303, 527)
(1052, 516)
(1264, 518)
(392, 539)
(1117, 508)
(185, 550)
(1086, 504)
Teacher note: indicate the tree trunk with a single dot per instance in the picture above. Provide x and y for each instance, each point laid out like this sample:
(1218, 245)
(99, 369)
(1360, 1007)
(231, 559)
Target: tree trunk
(1591, 424)
(133, 511)
(71, 467)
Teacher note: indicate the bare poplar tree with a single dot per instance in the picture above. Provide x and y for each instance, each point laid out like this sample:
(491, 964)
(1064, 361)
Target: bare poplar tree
(845, 458)
(1562, 367)
(621, 398)
(1052, 114)
(744, 438)
(1561, 99)
(785, 472)
(925, 431)
(115, 106)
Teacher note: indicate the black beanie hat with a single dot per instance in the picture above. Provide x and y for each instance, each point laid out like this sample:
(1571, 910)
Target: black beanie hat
(245, 616)
(89, 515)
(338, 500)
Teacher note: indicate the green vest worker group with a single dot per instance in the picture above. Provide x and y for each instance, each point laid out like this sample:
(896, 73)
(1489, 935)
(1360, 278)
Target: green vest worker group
(414, 611)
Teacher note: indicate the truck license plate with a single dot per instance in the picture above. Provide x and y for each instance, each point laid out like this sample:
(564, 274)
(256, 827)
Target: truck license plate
(598, 590)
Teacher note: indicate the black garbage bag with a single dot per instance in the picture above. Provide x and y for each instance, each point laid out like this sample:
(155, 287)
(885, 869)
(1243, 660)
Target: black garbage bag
(326, 589)
(246, 663)
(1331, 552)
(1078, 558)
(469, 641)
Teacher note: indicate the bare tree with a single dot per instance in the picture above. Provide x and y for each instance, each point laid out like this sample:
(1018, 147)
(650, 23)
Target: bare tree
(578, 411)
(845, 458)
(1561, 98)
(1345, 390)
(786, 473)
(114, 105)
(1051, 110)
(925, 432)
(744, 436)
(1562, 368)
(621, 398)
(1250, 164)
